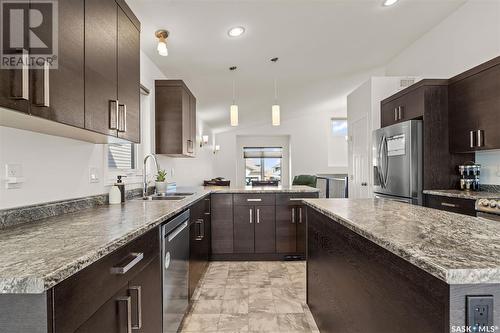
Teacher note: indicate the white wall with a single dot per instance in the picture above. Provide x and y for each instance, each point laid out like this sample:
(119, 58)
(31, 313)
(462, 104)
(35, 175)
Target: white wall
(467, 38)
(57, 168)
(309, 136)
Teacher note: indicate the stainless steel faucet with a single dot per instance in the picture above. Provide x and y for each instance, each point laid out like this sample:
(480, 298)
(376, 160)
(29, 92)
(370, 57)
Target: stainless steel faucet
(145, 188)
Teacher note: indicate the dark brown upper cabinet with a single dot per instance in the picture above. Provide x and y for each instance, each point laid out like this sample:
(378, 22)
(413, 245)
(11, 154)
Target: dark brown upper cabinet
(474, 108)
(58, 94)
(427, 100)
(175, 119)
(112, 70)
(94, 89)
(129, 77)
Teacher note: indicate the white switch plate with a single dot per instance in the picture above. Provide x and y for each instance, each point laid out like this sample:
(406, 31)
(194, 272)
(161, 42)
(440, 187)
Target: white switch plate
(13, 176)
(93, 175)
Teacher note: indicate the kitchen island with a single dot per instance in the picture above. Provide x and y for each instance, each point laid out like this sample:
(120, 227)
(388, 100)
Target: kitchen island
(376, 265)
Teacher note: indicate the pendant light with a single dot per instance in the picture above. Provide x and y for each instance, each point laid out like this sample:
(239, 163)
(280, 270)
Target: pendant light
(275, 109)
(233, 111)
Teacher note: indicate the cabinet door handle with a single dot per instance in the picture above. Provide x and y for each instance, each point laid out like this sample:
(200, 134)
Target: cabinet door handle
(128, 263)
(199, 235)
(122, 117)
(129, 311)
(21, 90)
(446, 204)
(400, 112)
(258, 215)
(43, 98)
(251, 217)
(293, 215)
(113, 114)
(300, 214)
(480, 138)
(395, 114)
(471, 138)
(138, 290)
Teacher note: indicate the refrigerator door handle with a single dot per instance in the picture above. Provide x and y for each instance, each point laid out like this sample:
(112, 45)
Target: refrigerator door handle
(379, 165)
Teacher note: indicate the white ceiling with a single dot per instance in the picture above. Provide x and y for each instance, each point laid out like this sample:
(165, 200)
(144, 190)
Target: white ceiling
(325, 49)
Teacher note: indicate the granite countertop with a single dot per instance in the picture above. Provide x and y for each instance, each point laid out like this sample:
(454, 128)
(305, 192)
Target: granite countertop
(455, 248)
(264, 189)
(36, 256)
(473, 195)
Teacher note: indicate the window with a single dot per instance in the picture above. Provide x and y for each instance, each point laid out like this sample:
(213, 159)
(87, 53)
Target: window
(262, 163)
(122, 156)
(337, 143)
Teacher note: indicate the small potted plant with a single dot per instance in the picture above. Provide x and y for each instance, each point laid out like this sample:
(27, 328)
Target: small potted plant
(161, 182)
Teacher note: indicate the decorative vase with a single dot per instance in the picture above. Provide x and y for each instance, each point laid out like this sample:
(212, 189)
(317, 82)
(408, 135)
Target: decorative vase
(161, 187)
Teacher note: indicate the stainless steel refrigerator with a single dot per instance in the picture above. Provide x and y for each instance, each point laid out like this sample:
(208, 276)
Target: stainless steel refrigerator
(397, 162)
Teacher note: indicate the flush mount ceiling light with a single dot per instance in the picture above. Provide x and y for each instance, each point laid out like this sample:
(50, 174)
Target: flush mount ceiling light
(233, 111)
(275, 109)
(236, 31)
(162, 36)
(388, 3)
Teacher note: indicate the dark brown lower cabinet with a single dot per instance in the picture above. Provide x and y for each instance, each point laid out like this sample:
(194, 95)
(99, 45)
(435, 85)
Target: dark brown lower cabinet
(286, 230)
(112, 317)
(265, 229)
(449, 204)
(199, 242)
(244, 231)
(356, 286)
(254, 229)
(100, 297)
(222, 223)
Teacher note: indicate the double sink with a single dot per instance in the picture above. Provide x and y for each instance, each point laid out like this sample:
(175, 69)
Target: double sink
(167, 196)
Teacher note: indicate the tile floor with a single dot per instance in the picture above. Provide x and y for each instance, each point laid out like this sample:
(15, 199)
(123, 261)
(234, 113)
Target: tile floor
(251, 297)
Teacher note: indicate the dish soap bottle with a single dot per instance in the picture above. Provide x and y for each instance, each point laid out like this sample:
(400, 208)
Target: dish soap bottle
(114, 195)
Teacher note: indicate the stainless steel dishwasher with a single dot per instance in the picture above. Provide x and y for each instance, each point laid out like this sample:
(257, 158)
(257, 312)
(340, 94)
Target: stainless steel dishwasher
(175, 260)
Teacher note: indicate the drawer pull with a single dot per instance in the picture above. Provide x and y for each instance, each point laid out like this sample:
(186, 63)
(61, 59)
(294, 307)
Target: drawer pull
(128, 263)
(296, 199)
(138, 290)
(129, 311)
(254, 200)
(446, 204)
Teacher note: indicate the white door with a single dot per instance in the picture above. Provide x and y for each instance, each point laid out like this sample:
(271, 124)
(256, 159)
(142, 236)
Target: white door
(359, 165)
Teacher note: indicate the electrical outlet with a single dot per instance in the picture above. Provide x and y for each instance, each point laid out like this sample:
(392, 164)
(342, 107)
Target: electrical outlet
(93, 175)
(479, 311)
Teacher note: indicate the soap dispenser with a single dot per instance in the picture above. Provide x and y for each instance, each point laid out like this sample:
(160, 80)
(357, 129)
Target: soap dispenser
(121, 187)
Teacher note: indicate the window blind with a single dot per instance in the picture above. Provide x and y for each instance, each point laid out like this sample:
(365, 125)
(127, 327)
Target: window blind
(264, 152)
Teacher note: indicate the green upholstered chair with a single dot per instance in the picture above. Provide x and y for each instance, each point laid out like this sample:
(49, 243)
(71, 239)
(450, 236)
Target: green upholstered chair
(305, 180)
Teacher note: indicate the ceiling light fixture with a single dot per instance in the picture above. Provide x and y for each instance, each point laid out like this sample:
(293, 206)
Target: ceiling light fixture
(236, 31)
(388, 3)
(233, 111)
(275, 109)
(162, 36)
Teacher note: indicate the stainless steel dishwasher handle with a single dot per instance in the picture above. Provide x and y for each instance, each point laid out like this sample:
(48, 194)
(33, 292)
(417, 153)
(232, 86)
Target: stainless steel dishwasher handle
(122, 269)
(177, 231)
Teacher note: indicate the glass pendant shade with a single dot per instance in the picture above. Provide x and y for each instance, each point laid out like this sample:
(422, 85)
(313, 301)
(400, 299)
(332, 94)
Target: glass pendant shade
(162, 48)
(234, 115)
(276, 115)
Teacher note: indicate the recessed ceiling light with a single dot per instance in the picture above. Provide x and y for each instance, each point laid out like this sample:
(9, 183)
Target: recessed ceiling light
(388, 3)
(236, 31)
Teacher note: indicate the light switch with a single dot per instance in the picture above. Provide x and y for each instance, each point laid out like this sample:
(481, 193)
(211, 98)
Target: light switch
(13, 176)
(93, 175)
